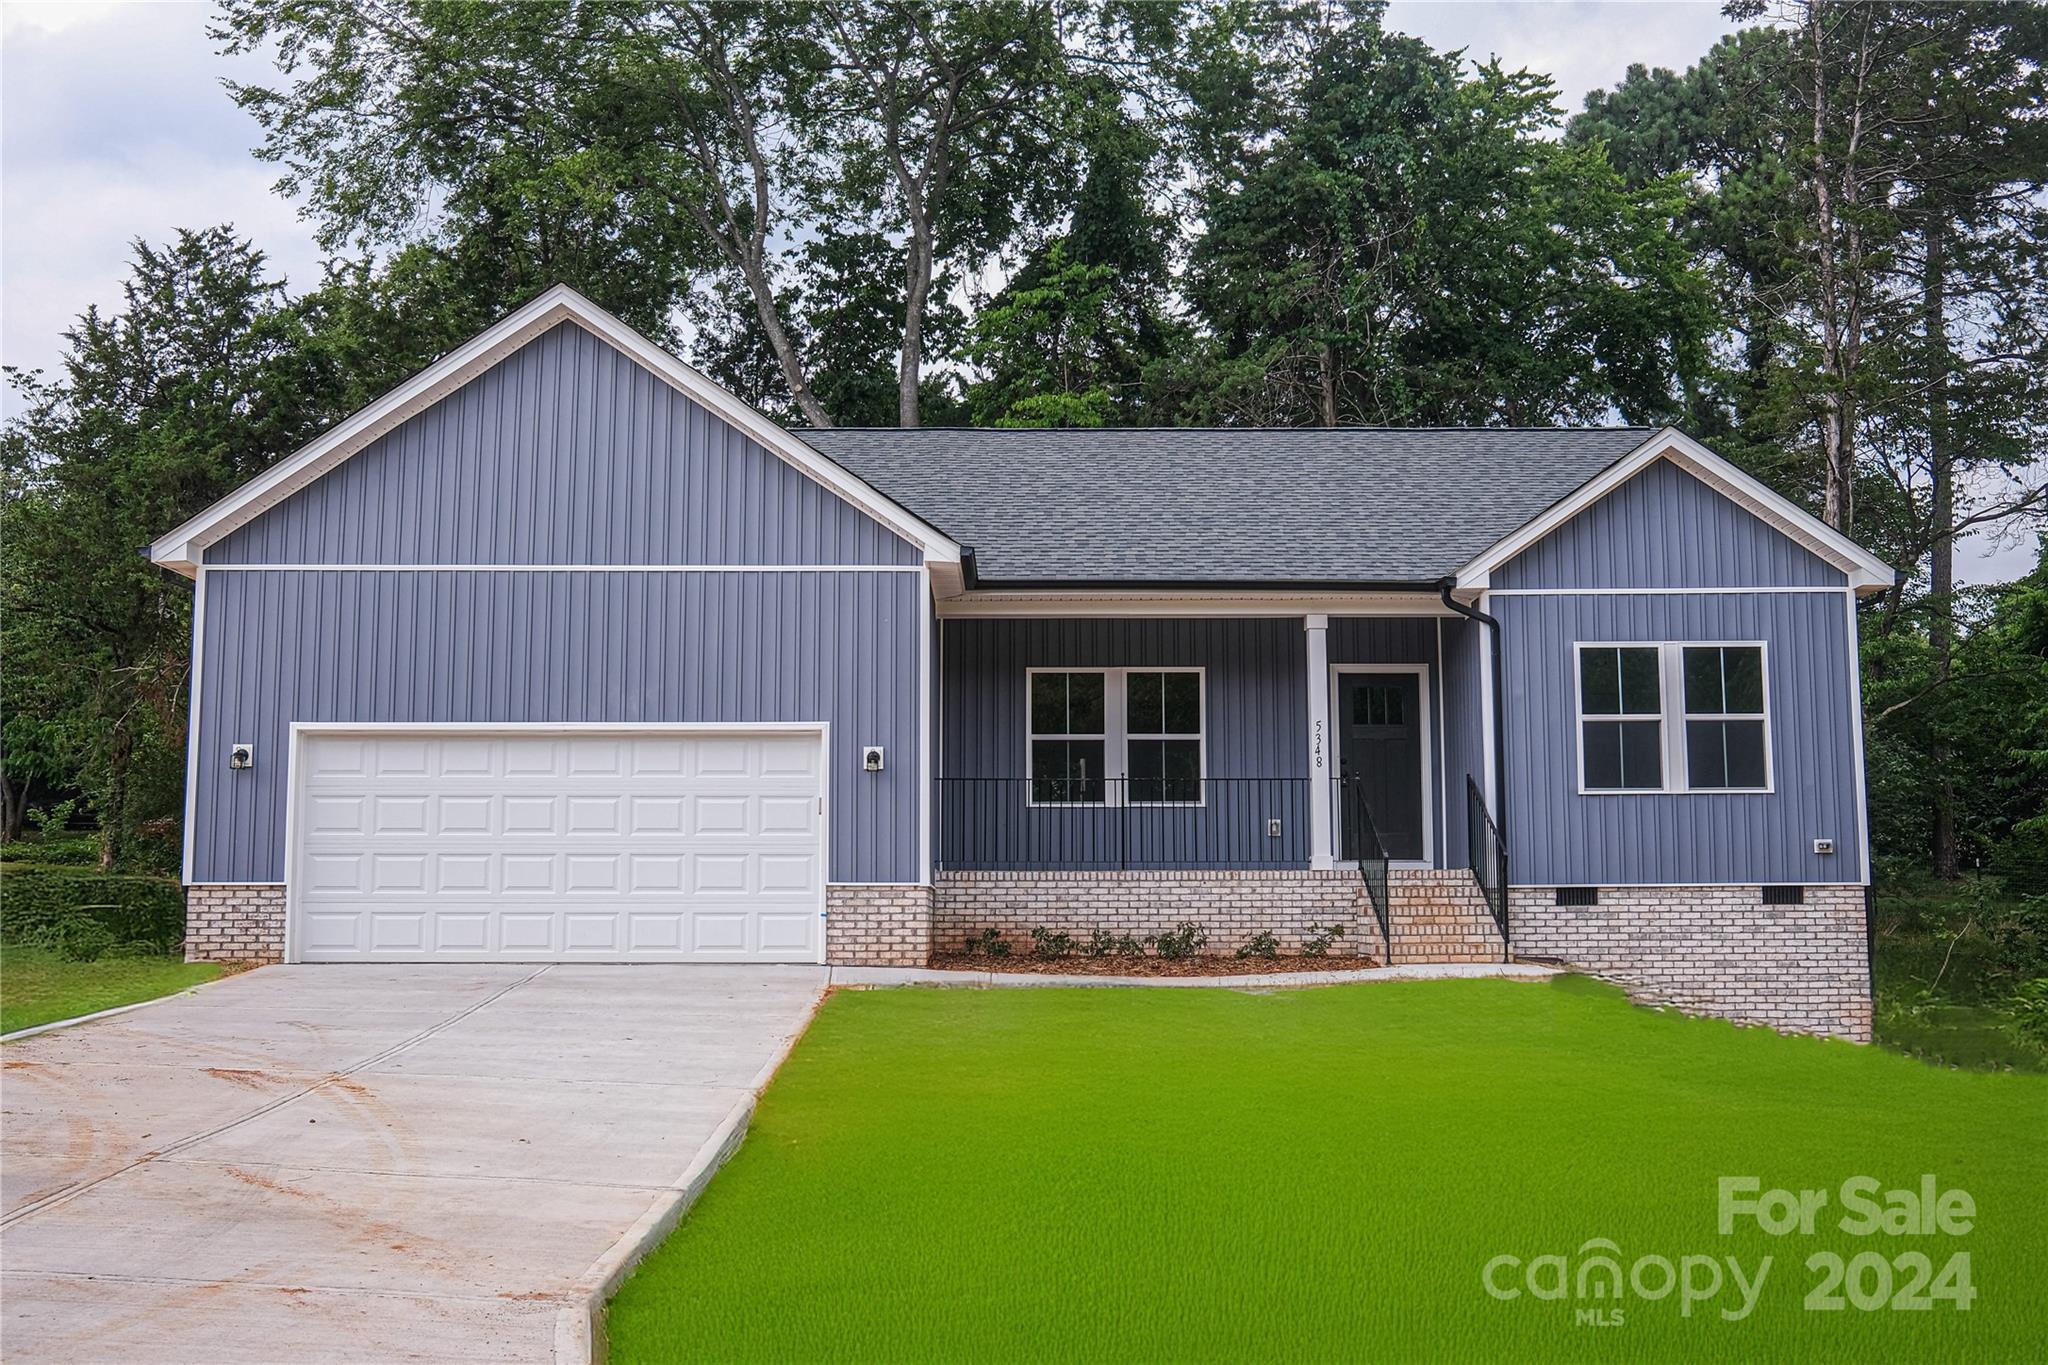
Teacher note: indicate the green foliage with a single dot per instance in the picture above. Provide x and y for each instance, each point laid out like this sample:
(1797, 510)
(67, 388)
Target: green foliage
(1320, 938)
(65, 906)
(1955, 970)
(1262, 944)
(987, 942)
(1182, 941)
(1409, 247)
(1102, 943)
(1048, 944)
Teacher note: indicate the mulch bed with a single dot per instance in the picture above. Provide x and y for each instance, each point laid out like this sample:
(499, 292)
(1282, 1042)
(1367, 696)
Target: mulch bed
(1206, 965)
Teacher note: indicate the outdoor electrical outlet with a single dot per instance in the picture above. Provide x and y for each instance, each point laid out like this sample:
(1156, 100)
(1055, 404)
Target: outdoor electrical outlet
(1272, 829)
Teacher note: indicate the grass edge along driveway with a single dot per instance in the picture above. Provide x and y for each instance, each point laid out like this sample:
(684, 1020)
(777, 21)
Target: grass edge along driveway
(39, 987)
(1325, 1173)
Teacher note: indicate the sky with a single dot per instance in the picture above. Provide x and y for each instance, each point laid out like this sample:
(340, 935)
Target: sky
(113, 126)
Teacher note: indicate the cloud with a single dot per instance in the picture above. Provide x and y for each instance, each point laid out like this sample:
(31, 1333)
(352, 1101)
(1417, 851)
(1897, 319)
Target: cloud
(1583, 44)
(114, 126)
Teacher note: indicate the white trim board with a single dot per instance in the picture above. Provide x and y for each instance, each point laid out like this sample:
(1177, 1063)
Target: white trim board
(181, 549)
(1117, 602)
(192, 714)
(1865, 571)
(1662, 592)
(564, 568)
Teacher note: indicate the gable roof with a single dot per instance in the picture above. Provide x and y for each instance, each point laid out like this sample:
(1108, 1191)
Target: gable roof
(182, 549)
(1864, 570)
(1345, 506)
(1290, 505)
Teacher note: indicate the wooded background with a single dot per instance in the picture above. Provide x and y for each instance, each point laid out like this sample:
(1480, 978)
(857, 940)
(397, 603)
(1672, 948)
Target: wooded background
(1820, 249)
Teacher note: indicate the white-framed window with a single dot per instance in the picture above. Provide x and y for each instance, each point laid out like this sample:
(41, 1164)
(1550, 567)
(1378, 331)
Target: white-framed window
(1069, 736)
(1621, 718)
(1727, 722)
(1115, 736)
(1673, 716)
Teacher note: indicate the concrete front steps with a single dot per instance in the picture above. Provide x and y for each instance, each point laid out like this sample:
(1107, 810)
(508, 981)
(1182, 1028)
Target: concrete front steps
(1439, 915)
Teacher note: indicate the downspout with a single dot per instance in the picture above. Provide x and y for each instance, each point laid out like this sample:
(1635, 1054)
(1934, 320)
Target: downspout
(1500, 717)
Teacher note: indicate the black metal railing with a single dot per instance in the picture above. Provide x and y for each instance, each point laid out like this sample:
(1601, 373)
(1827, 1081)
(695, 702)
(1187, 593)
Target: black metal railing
(1359, 838)
(1489, 855)
(995, 824)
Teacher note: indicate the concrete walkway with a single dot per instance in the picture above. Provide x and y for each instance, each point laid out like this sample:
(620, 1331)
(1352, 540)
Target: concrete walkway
(1355, 976)
(366, 1163)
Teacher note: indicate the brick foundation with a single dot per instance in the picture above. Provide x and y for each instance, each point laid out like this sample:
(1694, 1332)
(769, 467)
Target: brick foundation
(886, 925)
(1716, 950)
(1231, 907)
(234, 924)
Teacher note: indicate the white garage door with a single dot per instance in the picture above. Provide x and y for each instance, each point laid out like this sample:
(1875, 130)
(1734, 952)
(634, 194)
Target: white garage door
(537, 847)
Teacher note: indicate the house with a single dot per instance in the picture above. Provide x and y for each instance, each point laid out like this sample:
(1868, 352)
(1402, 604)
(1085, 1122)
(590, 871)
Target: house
(561, 652)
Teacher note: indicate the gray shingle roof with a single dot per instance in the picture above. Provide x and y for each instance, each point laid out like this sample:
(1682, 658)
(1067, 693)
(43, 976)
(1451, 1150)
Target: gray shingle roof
(1224, 505)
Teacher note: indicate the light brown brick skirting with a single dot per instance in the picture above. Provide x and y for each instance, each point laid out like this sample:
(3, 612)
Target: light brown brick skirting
(234, 924)
(1716, 950)
(880, 925)
(1229, 906)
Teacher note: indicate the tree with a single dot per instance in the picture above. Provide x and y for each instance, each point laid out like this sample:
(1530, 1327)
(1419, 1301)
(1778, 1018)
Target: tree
(1070, 338)
(639, 149)
(1387, 240)
(194, 385)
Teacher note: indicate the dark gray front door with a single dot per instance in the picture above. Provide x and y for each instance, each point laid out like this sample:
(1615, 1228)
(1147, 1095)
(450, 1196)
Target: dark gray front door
(1379, 727)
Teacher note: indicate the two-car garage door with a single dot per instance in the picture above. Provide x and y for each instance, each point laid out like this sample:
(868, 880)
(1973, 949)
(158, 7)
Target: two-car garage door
(507, 846)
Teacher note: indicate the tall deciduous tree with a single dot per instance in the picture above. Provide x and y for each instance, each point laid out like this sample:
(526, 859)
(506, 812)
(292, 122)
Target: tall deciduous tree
(195, 384)
(635, 148)
(1387, 239)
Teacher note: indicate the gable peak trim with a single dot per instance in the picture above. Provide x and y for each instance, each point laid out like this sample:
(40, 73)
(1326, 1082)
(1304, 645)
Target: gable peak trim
(183, 549)
(1866, 573)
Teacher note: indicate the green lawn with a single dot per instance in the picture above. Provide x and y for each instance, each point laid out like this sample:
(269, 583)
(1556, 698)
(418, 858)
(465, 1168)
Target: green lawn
(37, 986)
(957, 1175)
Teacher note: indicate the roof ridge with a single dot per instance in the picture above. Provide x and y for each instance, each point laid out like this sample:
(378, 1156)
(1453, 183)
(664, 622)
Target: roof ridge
(1255, 431)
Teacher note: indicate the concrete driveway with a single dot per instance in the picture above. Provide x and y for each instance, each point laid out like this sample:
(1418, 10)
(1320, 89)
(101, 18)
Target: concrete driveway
(363, 1163)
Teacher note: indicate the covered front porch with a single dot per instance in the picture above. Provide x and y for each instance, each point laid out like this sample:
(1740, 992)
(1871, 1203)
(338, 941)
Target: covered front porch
(1251, 769)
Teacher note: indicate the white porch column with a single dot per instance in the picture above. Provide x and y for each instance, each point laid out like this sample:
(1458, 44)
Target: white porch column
(1320, 844)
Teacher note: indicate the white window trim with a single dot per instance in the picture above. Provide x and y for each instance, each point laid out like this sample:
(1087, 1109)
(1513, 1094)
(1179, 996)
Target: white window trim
(1676, 659)
(1677, 773)
(1116, 736)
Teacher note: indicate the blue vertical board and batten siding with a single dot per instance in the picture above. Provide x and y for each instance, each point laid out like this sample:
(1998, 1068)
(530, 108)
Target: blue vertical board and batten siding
(1665, 529)
(1255, 725)
(566, 453)
(1664, 558)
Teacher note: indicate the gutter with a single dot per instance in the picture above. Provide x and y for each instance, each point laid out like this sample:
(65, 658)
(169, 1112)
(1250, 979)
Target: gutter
(1500, 705)
(1197, 585)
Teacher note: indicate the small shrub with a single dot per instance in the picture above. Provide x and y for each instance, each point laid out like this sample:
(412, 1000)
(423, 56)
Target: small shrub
(78, 940)
(53, 820)
(1184, 941)
(1260, 945)
(2028, 1007)
(988, 943)
(1048, 944)
(1102, 943)
(57, 850)
(1320, 938)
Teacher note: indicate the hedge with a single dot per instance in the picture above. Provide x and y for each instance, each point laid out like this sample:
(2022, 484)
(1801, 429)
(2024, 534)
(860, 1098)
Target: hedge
(41, 903)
